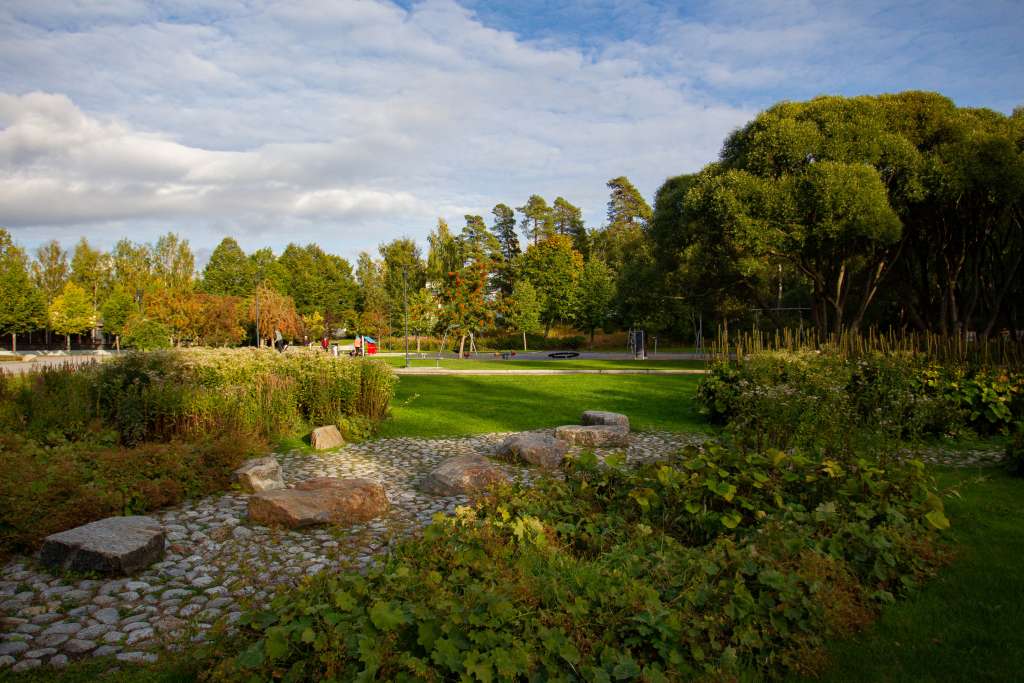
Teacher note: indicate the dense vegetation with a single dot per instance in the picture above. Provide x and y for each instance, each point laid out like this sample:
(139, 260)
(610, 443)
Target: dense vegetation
(146, 430)
(710, 564)
(834, 405)
(893, 211)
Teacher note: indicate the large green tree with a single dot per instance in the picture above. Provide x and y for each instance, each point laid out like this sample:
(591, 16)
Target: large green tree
(568, 220)
(553, 267)
(537, 221)
(91, 270)
(524, 310)
(72, 312)
(133, 267)
(228, 272)
(174, 265)
(116, 311)
(596, 297)
(22, 304)
(900, 199)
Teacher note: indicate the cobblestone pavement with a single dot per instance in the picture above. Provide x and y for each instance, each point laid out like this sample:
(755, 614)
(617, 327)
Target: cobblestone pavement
(218, 563)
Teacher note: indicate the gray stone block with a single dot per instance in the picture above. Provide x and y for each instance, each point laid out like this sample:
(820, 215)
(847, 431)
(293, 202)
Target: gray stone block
(116, 545)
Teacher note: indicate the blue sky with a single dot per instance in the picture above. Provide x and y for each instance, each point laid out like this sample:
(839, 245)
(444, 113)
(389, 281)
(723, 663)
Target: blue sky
(353, 122)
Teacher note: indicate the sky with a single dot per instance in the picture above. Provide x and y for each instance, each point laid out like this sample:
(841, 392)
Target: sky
(352, 122)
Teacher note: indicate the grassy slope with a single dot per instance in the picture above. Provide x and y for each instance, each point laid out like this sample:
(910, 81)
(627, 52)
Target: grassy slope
(968, 623)
(453, 405)
(572, 364)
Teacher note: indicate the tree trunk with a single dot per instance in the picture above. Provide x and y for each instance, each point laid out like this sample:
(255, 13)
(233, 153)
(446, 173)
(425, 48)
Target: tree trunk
(117, 342)
(67, 337)
(462, 344)
(14, 342)
(524, 340)
(417, 344)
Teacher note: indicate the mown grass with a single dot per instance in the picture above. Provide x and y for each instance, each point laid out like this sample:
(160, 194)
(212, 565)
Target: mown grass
(567, 364)
(968, 623)
(460, 405)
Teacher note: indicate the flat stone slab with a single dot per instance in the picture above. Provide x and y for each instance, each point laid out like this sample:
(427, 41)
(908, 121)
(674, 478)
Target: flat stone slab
(326, 438)
(259, 474)
(323, 500)
(597, 436)
(601, 417)
(462, 475)
(116, 545)
(538, 449)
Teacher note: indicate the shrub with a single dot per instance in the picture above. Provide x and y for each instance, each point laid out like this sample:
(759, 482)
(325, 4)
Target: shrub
(829, 404)
(699, 567)
(48, 488)
(162, 395)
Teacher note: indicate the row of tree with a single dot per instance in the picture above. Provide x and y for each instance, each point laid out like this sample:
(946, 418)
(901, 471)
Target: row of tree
(898, 210)
(478, 280)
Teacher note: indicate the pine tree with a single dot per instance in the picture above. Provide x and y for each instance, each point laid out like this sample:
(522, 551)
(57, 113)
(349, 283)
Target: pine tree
(536, 224)
(568, 221)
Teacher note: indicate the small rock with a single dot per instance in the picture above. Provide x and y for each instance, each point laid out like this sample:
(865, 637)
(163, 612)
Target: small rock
(325, 438)
(13, 647)
(59, 661)
(538, 449)
(64, 628)
(600, 417)
(259, 474)
(139, 635)
(6, 661)
(52, 640)
(26, 664)
(79, 647)
(106, 650)
(137, 657)
(463, 474)
(593, 435)
(108, 615)
(92, 632)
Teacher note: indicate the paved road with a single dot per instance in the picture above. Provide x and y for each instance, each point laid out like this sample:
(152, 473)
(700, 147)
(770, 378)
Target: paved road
(553, 371)
(21, 367)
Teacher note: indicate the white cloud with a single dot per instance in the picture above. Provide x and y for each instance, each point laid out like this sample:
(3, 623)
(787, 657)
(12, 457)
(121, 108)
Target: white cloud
(337, 120)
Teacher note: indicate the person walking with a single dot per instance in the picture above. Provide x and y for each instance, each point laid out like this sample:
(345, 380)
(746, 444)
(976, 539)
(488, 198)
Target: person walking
(278, 341)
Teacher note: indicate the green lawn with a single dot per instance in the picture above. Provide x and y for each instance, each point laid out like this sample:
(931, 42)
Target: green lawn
(968, 623)
(448, 405)
(571, 364)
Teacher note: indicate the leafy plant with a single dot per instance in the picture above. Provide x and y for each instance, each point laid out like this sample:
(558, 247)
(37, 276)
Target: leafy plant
(711, 563)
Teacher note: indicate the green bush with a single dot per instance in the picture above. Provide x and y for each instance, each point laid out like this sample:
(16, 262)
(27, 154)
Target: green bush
(705, 566)
(146, 334)
(161, 395)
(828, 404)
